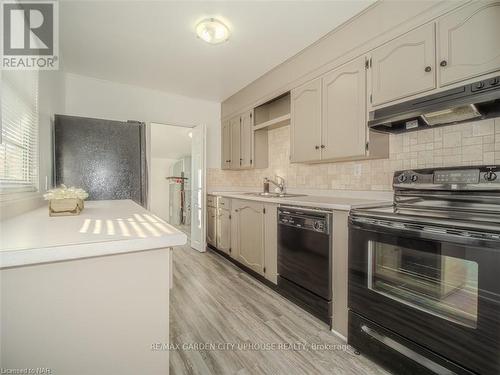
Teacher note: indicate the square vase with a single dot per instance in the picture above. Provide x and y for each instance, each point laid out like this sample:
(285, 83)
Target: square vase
(65, 207)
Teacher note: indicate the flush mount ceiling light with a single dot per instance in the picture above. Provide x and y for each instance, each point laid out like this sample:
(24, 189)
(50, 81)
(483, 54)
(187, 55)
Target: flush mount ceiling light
(212, 31)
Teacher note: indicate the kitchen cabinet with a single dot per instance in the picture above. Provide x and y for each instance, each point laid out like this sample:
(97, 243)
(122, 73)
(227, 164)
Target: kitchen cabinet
(211, 226)
(239, 142)
(469, 42)
(344, 130)
(404, 66)
(246, 140)
(271, 242)
(306, 122)
(247, 220)
(340, 269)
(224, 225)
(235, 124)
(329, 118)
(226, 145)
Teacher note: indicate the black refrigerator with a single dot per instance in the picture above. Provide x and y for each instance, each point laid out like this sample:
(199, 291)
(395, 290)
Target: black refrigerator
(105, 158)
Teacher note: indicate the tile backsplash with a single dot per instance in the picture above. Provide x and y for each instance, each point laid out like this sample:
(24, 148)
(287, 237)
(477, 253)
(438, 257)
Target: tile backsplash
(473, 143)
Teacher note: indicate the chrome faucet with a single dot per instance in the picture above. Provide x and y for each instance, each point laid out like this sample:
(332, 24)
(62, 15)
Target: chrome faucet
(280, 184)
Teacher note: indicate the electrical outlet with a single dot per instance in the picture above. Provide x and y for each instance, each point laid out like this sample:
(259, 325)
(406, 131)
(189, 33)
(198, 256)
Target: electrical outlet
(357, 170)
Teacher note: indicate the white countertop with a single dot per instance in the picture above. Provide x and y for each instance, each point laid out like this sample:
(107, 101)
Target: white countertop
(103, 228)
(325, 202)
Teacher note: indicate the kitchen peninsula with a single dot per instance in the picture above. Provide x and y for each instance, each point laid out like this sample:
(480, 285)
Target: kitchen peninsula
(87, 293)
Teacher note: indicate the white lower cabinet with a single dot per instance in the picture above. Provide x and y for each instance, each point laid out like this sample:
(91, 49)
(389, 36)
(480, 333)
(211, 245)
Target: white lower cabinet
(248, 234)
(224, 230)
(248, 225)
(271, 242)
(211, 226)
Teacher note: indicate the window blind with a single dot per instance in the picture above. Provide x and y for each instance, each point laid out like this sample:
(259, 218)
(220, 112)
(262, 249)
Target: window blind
(19, 132)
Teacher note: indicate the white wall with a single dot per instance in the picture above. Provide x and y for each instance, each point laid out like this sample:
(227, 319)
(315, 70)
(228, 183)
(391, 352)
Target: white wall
(103, 99)
(159, 186)
(71, 94)
(51, 100)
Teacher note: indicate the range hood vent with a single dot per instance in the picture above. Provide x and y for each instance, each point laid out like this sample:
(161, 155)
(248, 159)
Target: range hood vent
(476, 101)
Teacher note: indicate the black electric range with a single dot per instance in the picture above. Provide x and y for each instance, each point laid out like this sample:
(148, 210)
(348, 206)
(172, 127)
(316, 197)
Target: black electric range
(424, 289)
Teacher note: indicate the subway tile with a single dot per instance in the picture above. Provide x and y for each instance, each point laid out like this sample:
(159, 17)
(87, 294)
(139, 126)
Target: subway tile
(463, 144)
(472, 153)
(489, 158)
(425, 136)
(486, 127)
(452, 139)
(472, 141)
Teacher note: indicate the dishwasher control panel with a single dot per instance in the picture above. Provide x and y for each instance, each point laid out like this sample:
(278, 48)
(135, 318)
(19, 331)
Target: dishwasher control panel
(305, 219)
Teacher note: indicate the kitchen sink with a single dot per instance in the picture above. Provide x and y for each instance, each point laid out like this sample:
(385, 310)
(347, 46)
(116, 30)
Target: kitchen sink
(275, 195)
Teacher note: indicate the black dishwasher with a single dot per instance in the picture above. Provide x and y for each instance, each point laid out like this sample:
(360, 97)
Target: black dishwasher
(304, 259)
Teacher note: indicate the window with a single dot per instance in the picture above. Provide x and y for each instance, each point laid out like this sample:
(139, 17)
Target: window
(433, 282)
(19, 132)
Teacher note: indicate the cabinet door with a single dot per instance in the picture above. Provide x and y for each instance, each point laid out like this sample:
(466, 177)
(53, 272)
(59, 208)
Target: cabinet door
(246, 139)
(249, 218)
(235, 142)
(224, 231)
(404, 66)
(344, 112)
(211, 226)
(271, 243)
(469, 42)
(306, 122)
(226, 145)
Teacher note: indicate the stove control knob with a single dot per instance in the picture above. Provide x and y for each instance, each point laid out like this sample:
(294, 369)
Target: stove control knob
(490, 176)
(402, 178)
(414, 178)
(318, 225)
(479, 85)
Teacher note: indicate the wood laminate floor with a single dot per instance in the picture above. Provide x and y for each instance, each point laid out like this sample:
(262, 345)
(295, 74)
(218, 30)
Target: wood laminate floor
(223, 321)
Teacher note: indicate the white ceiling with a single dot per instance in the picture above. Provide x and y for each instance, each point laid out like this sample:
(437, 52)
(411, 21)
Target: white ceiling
(153, 44)
(170, 142)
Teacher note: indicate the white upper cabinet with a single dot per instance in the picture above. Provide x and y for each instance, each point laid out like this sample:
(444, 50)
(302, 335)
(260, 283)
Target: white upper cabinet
(235, 142)
(306, 122)
(344, 112)
(226, 145)
(404, 67)
(469, 42)
(246, 139)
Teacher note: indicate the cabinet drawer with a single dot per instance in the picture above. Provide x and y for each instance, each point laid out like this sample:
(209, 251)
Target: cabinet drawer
(224, 203)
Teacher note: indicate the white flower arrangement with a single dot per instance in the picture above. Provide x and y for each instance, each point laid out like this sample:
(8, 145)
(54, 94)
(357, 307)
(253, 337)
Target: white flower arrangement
(64, 192)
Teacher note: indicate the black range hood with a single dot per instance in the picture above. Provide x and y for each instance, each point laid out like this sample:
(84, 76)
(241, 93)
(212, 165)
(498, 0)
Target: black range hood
(476, 101)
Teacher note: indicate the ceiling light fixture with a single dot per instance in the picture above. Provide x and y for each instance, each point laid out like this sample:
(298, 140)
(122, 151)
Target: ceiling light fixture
(212, 31)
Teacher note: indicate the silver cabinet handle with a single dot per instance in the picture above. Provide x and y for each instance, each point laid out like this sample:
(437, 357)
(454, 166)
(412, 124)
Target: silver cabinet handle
(407, 352)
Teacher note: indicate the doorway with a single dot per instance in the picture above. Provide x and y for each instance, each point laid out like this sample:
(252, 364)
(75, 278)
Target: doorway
(177, 178)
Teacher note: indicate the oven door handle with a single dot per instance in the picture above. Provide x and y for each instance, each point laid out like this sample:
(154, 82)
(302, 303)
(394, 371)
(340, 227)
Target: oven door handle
(457, 235)
(407, 352)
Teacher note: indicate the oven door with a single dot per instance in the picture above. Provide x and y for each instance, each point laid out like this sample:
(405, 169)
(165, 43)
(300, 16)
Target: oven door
(439, 290)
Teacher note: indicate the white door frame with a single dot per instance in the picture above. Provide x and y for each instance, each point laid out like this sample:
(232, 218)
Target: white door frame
(203, 244)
